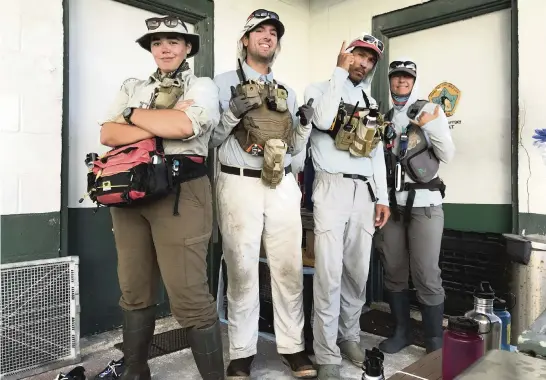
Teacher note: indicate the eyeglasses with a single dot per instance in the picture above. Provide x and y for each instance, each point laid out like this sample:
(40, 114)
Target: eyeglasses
(263, 13)
(369, 39)
(169, 21)
(405, 64)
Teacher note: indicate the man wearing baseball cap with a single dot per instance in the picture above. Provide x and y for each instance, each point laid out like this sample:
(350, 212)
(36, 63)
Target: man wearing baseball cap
(350, 201)
(167, 237)
(261, 127)
(412, 237)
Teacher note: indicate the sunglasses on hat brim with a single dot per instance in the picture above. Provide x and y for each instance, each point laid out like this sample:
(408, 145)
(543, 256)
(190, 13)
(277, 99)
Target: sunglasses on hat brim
(169, 21)
(263, 13)
(369, 39)
(403, 64)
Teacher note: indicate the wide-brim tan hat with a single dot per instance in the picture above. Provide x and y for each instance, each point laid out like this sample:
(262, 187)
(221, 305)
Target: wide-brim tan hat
(146, 40)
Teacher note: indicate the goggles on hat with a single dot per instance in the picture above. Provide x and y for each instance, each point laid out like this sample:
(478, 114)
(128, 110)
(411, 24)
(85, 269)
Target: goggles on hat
(169, 21)
(403, 64)
(263, 13)
(369, 39)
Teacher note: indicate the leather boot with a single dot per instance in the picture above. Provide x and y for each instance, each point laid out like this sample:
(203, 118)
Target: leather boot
(208, 352)
(403, 336)
(138, 331)
(433, 317)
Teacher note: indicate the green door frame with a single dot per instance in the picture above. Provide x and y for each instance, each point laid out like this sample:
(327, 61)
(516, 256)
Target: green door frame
(197, 12)
(440, 12)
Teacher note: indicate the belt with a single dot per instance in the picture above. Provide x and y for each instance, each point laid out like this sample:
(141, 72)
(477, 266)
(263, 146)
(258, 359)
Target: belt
(248, 172)
(365, 179)
(356, 176)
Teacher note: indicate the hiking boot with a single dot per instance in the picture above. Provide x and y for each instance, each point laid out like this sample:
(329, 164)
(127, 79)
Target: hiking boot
(300, 365)
(328, 372)
(433, 316)
(352, 352)
(207, 349)
(403, 336)
(113, 370)
(78, 373)
(239, 369)
(138, 331)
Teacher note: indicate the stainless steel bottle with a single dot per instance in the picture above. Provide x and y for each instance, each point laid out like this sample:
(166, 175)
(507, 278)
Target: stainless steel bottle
(490, 324)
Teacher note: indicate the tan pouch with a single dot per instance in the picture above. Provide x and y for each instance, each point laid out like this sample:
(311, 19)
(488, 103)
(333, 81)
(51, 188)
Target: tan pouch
(273, 167)
(280, 99)
(345, 138)
(169, 91)
(362, 144)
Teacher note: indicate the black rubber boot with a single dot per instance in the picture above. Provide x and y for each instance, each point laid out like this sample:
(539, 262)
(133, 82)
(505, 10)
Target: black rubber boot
(433, 317)
(403, 335)
(138, 331)
(208, 352)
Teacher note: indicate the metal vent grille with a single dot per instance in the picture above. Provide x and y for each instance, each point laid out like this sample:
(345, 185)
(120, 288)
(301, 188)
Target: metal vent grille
(40, 316)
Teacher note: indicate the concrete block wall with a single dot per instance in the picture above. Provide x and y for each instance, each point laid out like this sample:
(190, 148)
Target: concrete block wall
(31, 63)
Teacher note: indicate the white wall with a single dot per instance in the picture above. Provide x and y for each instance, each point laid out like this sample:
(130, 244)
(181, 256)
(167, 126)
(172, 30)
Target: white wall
(532, 82)
(31, 73)
(332, 21)
(293, 64)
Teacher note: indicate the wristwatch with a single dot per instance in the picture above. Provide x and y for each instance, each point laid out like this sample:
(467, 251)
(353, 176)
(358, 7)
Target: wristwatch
(127, 113)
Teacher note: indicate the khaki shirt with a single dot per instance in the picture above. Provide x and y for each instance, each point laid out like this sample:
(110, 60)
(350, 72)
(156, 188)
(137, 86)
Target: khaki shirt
(204, 113)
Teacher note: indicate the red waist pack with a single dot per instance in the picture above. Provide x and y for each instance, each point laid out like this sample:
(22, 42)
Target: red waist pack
(127, 175)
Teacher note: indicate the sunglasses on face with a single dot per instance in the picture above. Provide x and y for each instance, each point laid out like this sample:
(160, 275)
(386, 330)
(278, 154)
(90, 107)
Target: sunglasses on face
(263, 13)
(169, 21)
(405, 64)
(369, 39)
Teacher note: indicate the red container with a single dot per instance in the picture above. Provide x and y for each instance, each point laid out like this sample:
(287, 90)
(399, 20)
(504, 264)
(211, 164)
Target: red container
(462, 346)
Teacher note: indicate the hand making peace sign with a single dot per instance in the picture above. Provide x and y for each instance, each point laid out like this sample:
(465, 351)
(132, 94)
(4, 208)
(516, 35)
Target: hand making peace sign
(345, 60)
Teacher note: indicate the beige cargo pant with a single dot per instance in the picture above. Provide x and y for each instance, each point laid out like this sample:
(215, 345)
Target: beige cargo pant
(343, 213)
(151, 241)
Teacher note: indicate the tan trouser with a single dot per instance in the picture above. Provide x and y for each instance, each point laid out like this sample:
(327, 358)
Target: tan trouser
(151, 241)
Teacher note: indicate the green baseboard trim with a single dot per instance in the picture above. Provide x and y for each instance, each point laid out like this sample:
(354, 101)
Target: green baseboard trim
(26, 237)
(530, 223)
(496, 218)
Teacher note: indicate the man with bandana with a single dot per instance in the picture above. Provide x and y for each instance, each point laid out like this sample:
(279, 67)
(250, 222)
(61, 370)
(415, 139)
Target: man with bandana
(258, 198)
(349, 202)
(167, 237)
(412, 237)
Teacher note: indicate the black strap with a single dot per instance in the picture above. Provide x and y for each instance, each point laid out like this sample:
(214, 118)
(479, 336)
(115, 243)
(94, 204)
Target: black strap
(255, 173)
(187, 171)
(436, 184)
(365, 179)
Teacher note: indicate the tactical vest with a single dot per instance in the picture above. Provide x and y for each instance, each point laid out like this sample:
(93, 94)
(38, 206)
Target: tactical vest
(270, 119)
(416, 158)
(352, 128)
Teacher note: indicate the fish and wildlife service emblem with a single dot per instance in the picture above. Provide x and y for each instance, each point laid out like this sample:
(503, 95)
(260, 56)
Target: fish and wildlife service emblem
(447, 96)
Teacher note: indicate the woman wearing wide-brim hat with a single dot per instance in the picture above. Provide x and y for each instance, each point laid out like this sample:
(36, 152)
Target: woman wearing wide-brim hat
(168, 236)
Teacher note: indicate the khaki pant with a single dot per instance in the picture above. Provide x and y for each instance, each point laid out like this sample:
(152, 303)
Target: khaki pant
(344, 215)
(151, 241)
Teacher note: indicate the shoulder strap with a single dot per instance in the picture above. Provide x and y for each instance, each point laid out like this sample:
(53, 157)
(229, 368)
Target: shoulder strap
(389, 114)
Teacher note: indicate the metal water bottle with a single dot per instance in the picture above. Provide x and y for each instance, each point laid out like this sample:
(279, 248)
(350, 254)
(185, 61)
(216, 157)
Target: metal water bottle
(490, 324)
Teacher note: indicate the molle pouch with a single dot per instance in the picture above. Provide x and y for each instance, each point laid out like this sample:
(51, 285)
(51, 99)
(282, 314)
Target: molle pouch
(273, 166)
(169, 91)
(250, 91)
(281, 95)
(344, 138)
(364, 138)
(420, 162)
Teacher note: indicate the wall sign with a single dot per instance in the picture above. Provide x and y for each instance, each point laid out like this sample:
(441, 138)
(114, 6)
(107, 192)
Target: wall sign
(448, 96)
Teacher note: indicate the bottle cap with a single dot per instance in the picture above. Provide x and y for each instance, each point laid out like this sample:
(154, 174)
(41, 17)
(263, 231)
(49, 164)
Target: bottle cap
(484, 290)
(499, 304)
(463, 324)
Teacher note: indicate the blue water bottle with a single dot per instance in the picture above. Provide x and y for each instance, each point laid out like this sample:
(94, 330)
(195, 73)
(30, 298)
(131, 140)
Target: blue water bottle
(501, 310)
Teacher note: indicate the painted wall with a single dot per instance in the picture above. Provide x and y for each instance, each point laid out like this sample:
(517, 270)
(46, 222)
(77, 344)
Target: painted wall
(31, 47)
(532, 170)
(293, 64)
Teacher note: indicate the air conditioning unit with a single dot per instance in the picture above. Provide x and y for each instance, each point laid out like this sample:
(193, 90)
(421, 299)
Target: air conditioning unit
(40, 313)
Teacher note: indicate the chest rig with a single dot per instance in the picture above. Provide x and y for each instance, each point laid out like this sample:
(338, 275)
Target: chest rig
(355, 129)
(269, 119)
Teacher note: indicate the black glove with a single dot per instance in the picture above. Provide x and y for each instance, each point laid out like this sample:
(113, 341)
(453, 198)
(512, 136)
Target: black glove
(306, 112)
(239, 104)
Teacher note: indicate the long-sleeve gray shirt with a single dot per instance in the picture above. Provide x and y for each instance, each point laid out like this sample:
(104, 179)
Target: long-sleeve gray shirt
(326, 157)
(230, 152)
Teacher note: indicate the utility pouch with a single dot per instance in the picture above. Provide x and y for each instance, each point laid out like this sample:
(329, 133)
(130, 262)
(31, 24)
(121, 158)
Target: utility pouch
(281, 96)
(168, 93)
(345, 137)
(363, 141)
(250, 91)
(273, 166)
